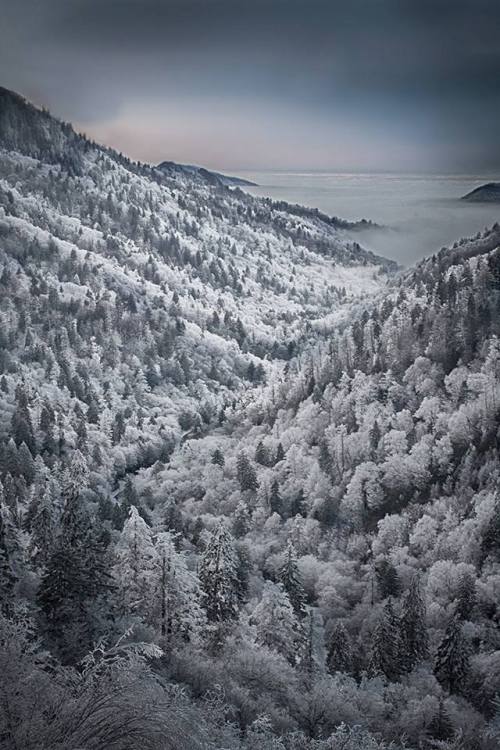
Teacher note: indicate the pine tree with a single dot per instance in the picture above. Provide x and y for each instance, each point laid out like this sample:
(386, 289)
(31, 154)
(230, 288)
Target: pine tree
(491, 538)
(246, 474)
(298, 505)
(280, 454)
(129, 497)
(387, 579)
(7, 576)
(441, 728)
(218, 457)
(374, 436)
(219, 578)
(308, 663)
(275, 501)
(289, 576)
(276, 624)
(324, 459)
(43, 528)
(241, 520)
(244, 566)
(135, 554)
(466, 599)
(11, 462)
(262, 454)
(27, 463)
(175, 593)
(339, 656)
(413, 628)
(386, 652)
(21, 425)
(75, 578)
(451, 665)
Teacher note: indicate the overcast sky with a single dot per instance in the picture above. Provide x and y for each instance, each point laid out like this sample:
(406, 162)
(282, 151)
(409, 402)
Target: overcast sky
(362, 85)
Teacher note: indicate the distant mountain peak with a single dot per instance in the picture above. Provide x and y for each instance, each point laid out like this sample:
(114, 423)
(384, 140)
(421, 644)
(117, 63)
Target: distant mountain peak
(487, 193)
(191, 169)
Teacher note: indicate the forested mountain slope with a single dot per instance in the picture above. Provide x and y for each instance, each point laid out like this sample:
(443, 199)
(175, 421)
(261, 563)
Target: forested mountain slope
(248, 476)
(169, 286)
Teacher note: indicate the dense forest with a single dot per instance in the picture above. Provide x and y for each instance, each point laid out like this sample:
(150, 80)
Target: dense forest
(249, 471)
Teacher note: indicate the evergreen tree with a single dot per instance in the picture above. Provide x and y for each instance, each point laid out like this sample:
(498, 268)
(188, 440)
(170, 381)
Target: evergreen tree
(176, 593)
(276, 624)
(290, 578)
(298, 505)
(244, 566)
(21, 425)
(339, 655)
(280, 454)
(451, 665)
(11, 463)
(219, 577)
(413, 628)
(374, 436)
(43, 528)
(7, 576)
(466, 599)
(441, 728)
(241, 520)
(133, 571)
(246, 474)
(275, 502)
(386, 651)
(262, 454)
(308, 663)
(27, 463)
(490, 543)
(75, 578)
(387, 579)
(325, 459)
(218, 457)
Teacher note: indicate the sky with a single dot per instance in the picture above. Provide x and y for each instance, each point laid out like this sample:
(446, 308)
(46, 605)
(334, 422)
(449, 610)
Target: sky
(351, 85)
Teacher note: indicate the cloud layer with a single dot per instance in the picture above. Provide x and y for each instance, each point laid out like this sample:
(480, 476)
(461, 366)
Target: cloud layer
(368, 84)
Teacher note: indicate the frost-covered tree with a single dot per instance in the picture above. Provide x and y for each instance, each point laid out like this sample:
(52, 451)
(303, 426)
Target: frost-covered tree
(76, 578)
(276, 624)
(7, 575)
(339, 650)
(290, 578)
(413, 625)
(135, 561)
(246, 474)
(387, 579)
(176, 591)
(43, 526)
(451, 664)
(218, 577)
(386, 657)
(441, 727)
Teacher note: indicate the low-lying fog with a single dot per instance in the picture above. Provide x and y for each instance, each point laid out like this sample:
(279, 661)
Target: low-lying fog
(422, 213)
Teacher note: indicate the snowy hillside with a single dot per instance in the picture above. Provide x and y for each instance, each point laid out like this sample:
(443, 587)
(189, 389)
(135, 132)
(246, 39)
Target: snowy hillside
(249, 472)
(207, 285)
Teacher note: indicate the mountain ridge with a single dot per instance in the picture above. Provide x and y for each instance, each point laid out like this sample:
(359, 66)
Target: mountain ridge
(248, 470)
(487, 193)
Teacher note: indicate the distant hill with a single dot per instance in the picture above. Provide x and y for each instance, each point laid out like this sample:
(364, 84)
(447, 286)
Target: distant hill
(191, 169)
(488, 193)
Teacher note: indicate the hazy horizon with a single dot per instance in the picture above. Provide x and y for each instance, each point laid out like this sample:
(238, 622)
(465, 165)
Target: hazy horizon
(229, 84)
(419, 213)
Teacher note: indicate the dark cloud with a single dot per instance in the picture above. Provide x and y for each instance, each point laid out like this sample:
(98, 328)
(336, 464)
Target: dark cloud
(425, 74)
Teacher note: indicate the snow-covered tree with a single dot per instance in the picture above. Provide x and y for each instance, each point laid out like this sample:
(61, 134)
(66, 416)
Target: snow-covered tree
(135, 562)
(218, 576)
(451, 664)
(290, 578)
(276, 624)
